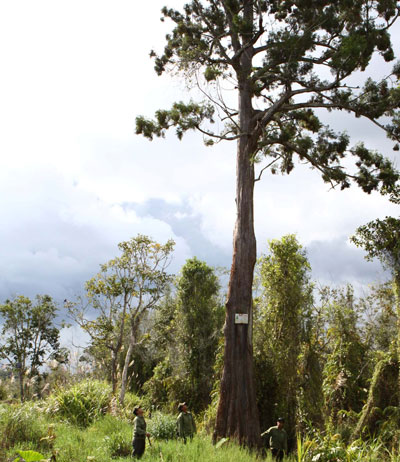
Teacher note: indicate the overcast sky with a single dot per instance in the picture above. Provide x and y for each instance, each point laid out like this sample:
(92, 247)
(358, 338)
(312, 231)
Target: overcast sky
(75, 180)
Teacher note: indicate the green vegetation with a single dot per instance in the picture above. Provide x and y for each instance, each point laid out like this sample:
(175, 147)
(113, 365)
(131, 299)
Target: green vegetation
(325, 359)
(82, 403)
(30, 433)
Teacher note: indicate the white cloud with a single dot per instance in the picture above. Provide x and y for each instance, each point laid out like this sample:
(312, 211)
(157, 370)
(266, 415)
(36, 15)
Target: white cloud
(74, 76)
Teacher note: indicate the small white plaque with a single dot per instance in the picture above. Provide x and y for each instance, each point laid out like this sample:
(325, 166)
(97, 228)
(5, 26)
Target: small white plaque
(241, 318)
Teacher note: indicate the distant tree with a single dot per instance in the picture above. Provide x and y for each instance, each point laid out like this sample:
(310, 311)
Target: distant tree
(282, 328)
(285, 60)
(30, 336)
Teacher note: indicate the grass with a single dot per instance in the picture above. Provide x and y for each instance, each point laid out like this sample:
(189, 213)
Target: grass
(94, 443)
(108, 439)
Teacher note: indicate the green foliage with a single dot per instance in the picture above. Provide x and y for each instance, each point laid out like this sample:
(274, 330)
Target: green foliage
(199, 318)
(271, 54)
(82, 403)
(108, 439)
(324, 447)
(125, 289)
(185, 333)
(279, 75)
(3, 392)
(162, 426)
(182, 116)
(346, 368)
(378, 308)
(282, 331)
(381, 239)
(131, 400)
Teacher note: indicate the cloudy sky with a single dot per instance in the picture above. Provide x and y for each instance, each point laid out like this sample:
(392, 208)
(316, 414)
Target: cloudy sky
(75, 180)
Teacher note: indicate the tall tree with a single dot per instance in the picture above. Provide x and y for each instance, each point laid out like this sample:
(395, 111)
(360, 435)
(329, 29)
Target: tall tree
(272, 52)
(29, 335)
(143, 263)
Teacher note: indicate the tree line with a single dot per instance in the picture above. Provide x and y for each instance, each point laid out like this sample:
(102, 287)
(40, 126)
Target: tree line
(324, 358)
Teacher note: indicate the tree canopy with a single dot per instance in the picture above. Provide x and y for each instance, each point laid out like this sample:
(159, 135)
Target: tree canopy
(299, 57)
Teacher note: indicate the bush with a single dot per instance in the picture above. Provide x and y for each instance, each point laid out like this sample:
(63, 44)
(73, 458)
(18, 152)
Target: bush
(162, 426)
(118, 446)
(81, 404)
(21, 424)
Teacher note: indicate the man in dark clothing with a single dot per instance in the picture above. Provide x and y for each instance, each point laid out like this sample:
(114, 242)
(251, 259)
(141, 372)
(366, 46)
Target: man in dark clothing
(185, 426)
(277, 439)
(139, 433)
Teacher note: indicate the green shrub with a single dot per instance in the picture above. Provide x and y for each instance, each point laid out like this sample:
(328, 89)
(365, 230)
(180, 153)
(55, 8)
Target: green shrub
(118, 445)
(81, 404)
(162, 426)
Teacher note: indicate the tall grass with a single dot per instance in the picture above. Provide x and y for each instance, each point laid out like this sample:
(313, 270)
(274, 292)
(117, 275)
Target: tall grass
(22, 424)
(108, 439)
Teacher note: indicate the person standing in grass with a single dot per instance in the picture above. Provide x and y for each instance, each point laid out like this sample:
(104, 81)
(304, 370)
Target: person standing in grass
(185, 426)
(139, 433)
(277, 439)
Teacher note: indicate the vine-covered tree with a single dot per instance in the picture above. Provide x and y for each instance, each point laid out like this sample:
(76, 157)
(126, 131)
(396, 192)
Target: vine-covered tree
(381, 239)
(186, 331)
(30, 335)
(199, 324)
(346, 367)
(282, 329)
(286, 60)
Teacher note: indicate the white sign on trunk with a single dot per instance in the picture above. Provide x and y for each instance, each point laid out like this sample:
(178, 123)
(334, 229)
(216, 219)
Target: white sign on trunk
(241, 318)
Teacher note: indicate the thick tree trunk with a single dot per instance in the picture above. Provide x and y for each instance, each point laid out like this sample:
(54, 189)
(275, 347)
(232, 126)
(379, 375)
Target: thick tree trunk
(237, 415)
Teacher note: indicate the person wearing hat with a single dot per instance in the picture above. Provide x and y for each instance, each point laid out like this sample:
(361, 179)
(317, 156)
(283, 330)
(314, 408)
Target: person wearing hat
(185, 426)
(139, 433)
(277, 439)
